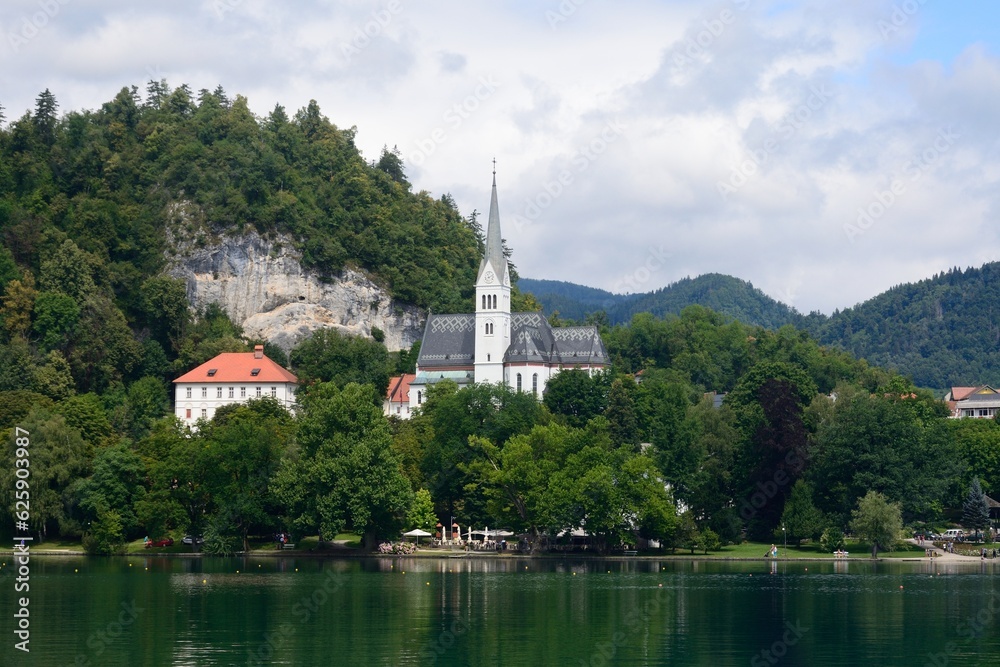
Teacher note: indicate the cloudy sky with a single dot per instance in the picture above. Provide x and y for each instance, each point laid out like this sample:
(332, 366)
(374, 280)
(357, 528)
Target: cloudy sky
(823, 150)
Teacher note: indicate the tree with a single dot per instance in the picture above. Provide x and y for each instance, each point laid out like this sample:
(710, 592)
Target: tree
(575, 395)
(620, 414)
(45, 117)
(56, 315)
(421, 514)
(243, 449)
(329, 356)
(877, 521)
(347, 475)
(975, 510)
(801, 519)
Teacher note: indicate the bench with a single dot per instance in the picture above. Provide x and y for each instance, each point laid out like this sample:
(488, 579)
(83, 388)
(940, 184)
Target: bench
(287, 546)
(631, 553)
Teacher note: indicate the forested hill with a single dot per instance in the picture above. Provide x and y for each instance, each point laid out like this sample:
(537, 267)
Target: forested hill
(942, 331)
(108, 179)
(729, 296)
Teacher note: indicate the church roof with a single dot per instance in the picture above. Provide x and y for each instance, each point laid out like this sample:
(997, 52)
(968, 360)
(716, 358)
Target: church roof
(450, 341)
(533, 339)
(494, 240)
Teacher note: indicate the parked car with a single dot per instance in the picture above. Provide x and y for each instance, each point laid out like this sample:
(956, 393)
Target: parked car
(191, 539)
(167, 542)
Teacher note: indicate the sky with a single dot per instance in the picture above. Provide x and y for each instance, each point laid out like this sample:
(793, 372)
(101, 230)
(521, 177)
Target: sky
(824, 150)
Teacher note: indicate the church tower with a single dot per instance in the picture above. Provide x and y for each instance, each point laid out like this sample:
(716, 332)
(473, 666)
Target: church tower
(492, 302)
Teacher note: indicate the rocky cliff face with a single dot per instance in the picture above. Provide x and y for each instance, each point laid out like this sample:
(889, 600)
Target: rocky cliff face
(262, 285)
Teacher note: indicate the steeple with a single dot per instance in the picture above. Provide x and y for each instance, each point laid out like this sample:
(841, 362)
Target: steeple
(494, 241)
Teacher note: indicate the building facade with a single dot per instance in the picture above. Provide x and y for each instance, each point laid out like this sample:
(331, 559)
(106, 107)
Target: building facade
(495, 345)
(231, 377)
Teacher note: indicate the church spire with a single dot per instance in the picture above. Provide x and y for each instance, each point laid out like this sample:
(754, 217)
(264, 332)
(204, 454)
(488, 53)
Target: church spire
(494, 241)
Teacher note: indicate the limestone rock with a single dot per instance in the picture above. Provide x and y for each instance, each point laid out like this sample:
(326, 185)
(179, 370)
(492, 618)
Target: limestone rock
(262, 285)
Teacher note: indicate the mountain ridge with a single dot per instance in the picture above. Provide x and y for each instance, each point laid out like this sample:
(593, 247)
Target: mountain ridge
(941, 331)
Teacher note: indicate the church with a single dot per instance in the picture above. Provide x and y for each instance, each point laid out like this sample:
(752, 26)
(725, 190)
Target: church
(521, 350)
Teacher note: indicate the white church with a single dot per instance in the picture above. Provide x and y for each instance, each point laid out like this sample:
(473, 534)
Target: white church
(495, 345)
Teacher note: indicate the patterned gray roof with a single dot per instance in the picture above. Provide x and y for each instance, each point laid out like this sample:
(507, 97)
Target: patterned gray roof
(449, 340)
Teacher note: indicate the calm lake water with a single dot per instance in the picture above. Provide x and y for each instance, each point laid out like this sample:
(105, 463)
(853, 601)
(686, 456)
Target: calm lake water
(165, 611)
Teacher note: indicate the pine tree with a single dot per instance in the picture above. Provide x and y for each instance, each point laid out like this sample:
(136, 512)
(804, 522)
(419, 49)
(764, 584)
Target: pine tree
(976, 511)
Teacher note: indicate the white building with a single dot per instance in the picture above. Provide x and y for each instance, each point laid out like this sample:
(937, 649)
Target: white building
(521, 350)
(975, 402)
(231, 377)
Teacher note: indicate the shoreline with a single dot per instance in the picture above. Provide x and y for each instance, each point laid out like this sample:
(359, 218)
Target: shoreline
(513, 556)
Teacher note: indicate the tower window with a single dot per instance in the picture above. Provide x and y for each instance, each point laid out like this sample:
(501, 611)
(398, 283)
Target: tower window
(534, 384)
(484, 302)
(494, 300)
(519, 382)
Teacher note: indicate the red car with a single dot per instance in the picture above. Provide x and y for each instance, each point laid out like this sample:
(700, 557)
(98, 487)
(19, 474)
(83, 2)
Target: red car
(169, 542)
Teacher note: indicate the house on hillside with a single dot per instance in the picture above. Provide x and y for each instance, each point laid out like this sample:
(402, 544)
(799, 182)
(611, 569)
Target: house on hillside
(981, 402)
(397, 396)
(495, 345)
(231, 377)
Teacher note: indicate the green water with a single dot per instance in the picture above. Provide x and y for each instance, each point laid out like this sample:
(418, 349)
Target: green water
(159, 611)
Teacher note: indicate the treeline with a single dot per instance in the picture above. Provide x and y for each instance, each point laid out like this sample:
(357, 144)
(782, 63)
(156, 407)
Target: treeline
(643, 450)
(940, 332)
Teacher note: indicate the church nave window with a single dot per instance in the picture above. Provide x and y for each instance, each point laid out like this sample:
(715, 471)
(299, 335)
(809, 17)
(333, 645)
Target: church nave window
(519, 382)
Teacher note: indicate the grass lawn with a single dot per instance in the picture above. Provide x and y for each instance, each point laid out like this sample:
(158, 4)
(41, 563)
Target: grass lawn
(759, 549)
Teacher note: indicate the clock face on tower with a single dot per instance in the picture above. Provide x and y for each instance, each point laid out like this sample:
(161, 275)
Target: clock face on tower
(489, 277)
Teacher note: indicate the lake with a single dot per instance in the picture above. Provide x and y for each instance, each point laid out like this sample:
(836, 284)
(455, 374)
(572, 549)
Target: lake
(509, 611)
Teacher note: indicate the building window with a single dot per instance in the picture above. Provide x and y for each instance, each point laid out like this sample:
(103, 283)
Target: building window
(230, 392)
(420, 397)
(218, 392)
(518, 382)
(494, 298)
(204, 413)
(204, 392)
(534, 384)
(188, 392)
(188, 413)
(258, 392)
(398, 408)
(984, 413)
(484, 302)
(489, 328)
(243, 392)
(274, 392)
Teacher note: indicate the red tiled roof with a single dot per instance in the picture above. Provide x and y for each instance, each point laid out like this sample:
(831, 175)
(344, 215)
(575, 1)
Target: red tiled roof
(958, 393)
(399, 388)
(237, 367)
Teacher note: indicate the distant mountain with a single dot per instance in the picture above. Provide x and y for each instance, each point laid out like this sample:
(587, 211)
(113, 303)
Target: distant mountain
(941, 331)
(724, 294)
